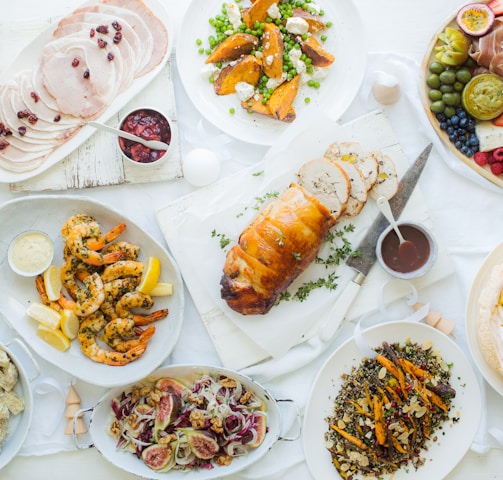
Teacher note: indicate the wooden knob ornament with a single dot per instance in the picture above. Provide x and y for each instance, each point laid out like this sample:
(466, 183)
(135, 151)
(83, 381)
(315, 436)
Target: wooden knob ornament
(436, 320)
(73, 405)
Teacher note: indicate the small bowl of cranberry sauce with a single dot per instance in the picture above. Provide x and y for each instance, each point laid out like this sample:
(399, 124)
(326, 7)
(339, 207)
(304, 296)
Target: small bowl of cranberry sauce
(147, 123)
(410, 262)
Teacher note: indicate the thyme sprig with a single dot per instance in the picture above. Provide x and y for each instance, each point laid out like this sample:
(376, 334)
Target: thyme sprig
(222, 238)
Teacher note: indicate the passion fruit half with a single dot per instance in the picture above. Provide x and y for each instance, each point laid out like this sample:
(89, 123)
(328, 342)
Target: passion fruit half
(475, 19)
(482, 96)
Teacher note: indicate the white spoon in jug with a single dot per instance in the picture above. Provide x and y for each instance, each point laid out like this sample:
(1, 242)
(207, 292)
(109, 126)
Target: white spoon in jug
(407, 250)
(154, 144)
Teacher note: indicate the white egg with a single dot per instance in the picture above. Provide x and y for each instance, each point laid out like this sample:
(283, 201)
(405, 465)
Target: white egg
(201, 167)
(386, 88)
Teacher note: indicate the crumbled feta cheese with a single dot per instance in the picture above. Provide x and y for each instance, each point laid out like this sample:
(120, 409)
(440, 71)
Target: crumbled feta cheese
(273, 11)
(258, 55)
(319, 73)
(269, 59)
(234, 15)
(273, 83)
(314, 7)
(210, 70)
(244, 91)
(297, 25)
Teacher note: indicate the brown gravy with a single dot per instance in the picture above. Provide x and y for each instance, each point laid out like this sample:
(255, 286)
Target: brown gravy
(405, 263)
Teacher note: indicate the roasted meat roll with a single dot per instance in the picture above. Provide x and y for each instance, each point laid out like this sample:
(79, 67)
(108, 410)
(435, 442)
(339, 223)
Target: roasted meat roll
(279, 244)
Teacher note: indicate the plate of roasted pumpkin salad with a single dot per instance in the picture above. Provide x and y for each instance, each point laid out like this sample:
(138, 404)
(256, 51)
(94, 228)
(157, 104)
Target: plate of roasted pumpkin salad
(253, 68)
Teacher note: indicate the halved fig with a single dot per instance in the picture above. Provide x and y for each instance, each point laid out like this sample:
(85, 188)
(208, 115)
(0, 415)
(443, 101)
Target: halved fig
(261, 428)
(170, 385)
(158, 457)
(475, 19)
(202, 445)
(166, 412)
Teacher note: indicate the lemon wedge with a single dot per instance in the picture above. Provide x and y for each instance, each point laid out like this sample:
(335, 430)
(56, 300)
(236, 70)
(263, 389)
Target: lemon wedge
(52, 281)
(44, 315)
(69, 324)
(162, 289)
(54, 337)
(150, 275)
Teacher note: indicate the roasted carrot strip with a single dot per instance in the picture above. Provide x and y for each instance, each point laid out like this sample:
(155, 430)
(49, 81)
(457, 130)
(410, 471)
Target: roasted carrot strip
(436, 400)
(356, 441)
(380, 429)
(397, 445)
(360, 410)
(394, 395)
(409, 367)
(388, 365)
(385, 398)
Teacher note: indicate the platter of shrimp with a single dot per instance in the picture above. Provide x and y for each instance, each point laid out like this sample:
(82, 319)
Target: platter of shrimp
(124, 333)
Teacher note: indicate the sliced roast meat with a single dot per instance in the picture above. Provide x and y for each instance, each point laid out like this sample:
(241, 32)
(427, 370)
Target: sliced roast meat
(387, 178)
(154, 25)
(77, 73)
(328, 182)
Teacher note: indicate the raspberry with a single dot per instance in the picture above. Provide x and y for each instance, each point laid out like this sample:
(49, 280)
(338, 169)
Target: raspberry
(481, 158)
(497, 168)
(498, 154)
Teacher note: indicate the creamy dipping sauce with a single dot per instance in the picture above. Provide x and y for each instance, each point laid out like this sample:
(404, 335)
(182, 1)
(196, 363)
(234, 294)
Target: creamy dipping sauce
(401, 263)
(31, 252)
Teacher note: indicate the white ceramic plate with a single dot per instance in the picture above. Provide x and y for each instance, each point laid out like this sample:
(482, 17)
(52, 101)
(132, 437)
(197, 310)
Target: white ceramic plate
(48, 213)
(30, 54)
(455, 439)
(472, 312)
(19, 425)
(105, 443)
(345, 41)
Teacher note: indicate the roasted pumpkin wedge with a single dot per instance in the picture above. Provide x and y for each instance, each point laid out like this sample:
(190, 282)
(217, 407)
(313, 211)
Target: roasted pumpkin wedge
(247, 69)
(255, 105)
(257, 12)
(233, 47)
(314, 21)
(272, 50)
(313, 49)
(281, 100)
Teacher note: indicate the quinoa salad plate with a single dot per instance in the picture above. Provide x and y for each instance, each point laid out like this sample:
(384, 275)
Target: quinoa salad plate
(407, 408)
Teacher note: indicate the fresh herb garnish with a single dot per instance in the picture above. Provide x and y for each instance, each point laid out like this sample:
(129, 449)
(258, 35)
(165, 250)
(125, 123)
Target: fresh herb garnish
(222, 238)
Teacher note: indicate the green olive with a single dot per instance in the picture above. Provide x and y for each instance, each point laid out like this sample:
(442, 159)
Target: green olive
(449, 111)
(433, 81)
(435, 95)
(451, 99)
(446, 88)
(447, 77)
(436, 67)
(463, 75)
(438, 106)
(458, 86)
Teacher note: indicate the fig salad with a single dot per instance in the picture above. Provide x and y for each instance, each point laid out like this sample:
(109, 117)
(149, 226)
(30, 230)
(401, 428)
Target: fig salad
(182, 424)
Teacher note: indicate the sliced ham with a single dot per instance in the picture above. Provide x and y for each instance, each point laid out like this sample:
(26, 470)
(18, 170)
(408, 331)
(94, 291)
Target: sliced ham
(83, 90)
(487, 49)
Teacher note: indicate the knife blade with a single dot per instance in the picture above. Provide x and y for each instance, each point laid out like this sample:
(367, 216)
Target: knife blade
(363, 263)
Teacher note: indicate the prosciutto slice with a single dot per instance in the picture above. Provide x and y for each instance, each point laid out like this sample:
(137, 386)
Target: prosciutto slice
(487, 50)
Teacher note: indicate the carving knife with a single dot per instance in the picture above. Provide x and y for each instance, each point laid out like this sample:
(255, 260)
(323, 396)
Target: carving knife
(362, 264)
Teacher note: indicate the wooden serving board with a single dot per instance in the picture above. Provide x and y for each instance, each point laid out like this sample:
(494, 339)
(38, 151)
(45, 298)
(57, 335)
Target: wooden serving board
(485, 171)
(98, 161)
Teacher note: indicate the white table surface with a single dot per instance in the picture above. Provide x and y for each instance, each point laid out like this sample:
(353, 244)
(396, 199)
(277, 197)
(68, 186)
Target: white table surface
(395, 26)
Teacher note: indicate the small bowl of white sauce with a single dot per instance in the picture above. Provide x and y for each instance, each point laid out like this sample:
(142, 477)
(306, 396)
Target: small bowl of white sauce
(30, 253)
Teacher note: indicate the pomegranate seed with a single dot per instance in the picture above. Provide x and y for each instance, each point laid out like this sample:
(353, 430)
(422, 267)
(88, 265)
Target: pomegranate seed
(75, 62)
(23, 113)
(118, 37)
(117, 25)
(87, 74)
(3, 144)
(32, 119)
(92, 32)
(102, 43)
(102, 29)
(57, 118)
(22, 130)
(34, 96)
(110, 56)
